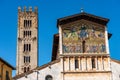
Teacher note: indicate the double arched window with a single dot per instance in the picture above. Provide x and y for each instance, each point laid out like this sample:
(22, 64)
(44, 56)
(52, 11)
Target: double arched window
(48, 77)
(26, 69)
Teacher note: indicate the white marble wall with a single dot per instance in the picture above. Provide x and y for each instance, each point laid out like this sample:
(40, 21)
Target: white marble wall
(53, 70)
(87, 76)
(115, 70)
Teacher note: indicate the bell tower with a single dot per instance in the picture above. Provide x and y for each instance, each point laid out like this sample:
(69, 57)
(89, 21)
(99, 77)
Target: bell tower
(83, 45)
(27, 40)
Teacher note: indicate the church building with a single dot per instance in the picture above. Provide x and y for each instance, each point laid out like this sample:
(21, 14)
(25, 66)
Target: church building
(80, 49)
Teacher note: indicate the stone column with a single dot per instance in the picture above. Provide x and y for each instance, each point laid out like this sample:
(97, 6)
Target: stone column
(60, 39)
(106, 41)
(69, 63)
(96, 63)
(80, 65)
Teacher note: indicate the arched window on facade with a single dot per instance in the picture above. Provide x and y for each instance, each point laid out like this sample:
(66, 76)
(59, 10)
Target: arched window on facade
(83, 46)
(76, 63)
(93, 63)
(48, 77)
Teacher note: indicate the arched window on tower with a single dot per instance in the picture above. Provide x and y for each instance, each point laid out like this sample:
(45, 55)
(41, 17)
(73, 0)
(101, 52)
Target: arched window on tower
(29, 59)
(24, 23)
(24, 47)
(30, 34)
(23, 33)
(48, 77)
(30, 23)
(28, 69)
(25, 69)
(29, 47)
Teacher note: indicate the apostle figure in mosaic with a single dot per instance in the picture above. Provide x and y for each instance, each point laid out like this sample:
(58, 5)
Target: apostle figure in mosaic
(103, 48)
(73, 33)
(83, 33)
(101, 35)
(65, 35)
(93, 33)
(65, 48)
(78, 48)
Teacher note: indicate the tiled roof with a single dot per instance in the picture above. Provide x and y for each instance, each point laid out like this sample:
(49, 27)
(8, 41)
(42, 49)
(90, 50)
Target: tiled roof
(117, 61)
(7, 63)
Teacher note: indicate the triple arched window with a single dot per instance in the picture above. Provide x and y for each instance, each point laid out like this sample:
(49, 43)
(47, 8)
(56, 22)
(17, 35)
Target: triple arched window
(27, 23)
(27, 47)
(27, 34)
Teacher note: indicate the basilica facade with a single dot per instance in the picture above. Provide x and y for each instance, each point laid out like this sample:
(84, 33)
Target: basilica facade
(80, 49)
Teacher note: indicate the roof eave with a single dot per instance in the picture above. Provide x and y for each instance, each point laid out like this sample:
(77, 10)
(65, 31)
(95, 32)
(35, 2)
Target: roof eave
(83, 15)
(13, 68)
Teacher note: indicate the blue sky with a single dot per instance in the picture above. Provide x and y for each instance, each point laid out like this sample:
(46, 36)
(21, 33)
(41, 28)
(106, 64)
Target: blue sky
(49, 12)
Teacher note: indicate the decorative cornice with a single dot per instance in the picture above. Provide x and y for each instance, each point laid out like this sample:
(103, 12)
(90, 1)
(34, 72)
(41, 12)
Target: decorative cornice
(84, 54)
(87, 72)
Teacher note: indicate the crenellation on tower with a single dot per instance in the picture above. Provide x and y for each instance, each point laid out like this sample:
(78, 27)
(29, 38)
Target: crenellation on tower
(19, 9)
(24, 9)
(35, 9)
(30, 9)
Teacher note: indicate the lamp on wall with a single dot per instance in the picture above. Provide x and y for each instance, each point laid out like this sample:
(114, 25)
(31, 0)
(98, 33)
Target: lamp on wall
(26, 76)
(36, 72)
(49, 66)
